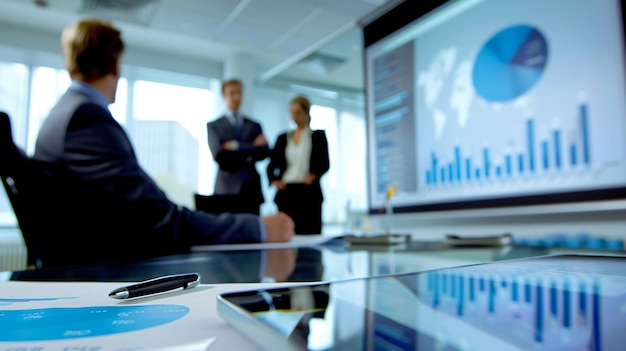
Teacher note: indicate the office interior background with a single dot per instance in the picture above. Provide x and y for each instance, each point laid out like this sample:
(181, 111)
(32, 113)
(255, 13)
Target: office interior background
(177, 54)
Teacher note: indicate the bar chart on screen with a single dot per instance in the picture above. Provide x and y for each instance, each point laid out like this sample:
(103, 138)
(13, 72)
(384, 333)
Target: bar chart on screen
(555, 153)
(531, 311)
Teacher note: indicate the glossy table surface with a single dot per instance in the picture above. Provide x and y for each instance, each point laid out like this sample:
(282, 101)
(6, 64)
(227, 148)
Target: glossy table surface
(307, 264)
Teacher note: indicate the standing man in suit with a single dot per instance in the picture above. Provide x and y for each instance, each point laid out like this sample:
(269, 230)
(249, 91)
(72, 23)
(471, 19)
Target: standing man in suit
(237, 143)
(111, 208)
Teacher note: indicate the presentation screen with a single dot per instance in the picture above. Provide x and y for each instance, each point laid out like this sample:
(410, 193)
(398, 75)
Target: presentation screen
(484, 103)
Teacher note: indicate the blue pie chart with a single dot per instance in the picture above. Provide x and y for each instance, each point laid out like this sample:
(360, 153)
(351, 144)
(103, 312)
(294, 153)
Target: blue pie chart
(510, 63)
(72, 323)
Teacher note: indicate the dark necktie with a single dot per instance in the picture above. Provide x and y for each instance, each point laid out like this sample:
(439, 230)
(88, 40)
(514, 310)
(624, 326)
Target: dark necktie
(237, 126)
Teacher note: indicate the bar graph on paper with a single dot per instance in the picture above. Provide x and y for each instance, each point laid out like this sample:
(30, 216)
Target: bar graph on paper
(554, 152)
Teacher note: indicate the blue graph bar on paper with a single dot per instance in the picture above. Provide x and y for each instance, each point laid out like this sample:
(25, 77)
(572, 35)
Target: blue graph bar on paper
(451, 172)
(468, 169)
(584, 128)
(557, 148)
(509, 165)
(527, 292)
(443, 175)
(481, 284)
(498, 171)
(514, 292)
(520, 163)
(457, 161)
(544, 146)
(444, 286)
(477, 173)
(434, 170)
(486, 162)
(539, 314)
(567, 321)
(531, 145)
(472, 292)
(572, 154)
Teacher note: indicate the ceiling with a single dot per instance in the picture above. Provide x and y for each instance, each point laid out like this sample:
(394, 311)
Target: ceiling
(311, 40)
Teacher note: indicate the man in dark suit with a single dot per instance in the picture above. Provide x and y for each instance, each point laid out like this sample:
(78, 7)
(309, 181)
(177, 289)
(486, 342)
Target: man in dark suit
(111, 207)
(237, 143)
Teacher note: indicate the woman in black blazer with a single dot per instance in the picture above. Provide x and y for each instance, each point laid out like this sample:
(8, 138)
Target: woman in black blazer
(297, 162)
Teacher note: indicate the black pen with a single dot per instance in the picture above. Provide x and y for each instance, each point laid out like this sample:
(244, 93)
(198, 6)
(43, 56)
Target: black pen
(157, 285)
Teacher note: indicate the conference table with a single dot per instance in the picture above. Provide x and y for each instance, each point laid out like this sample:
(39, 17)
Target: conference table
(234, 269)
(297, 264)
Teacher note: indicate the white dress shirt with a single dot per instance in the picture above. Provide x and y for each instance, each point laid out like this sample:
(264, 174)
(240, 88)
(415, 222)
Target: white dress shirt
(298, 157)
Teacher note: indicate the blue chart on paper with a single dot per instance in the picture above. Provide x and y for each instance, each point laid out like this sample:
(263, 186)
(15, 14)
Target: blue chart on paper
(510, 63)
(71, 323)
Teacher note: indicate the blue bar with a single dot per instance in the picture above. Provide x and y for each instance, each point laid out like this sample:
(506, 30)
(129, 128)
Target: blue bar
(443, 175)
(468, 168)
(509, 165)
(585, 133)
(451, 172)
(452, 285)
(514, 292)
(596, 335)
(572, 154)
(520, 163)
(459, 310)
(486, 162)
(539, 314)
(531, 145)
(492, 296)
(557, 149)
(427, 177)
(457, 160)
(434, 170)
(436, 292)
(567, 320)
(481, 284)
(477, 173)
(444, 287)
(472, 293)
(553, 300)
(431, 282)
(498, 171)
(527, 291)
(582, 301)
(545, 154)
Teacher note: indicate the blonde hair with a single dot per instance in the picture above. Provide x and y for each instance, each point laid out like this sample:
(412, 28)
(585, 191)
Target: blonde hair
(91, 48)
(228, 82)
(302, 102)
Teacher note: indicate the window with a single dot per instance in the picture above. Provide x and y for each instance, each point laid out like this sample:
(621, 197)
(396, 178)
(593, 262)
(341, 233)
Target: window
(47, 85)
(326, 118)
(169, 134)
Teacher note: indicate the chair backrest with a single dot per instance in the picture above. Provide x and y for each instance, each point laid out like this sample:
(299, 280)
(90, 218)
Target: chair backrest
(13, 169)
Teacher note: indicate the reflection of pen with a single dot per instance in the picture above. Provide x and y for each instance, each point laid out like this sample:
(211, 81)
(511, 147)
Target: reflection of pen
(157, 285)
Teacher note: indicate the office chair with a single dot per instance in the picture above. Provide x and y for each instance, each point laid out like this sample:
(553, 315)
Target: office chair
(15, 174)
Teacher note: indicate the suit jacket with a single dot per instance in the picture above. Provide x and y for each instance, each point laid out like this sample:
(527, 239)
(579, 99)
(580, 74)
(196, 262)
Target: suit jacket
(318, 165)
(237, 167)
(113, 209)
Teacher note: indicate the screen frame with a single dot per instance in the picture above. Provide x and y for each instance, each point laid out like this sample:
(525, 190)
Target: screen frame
(398, 17)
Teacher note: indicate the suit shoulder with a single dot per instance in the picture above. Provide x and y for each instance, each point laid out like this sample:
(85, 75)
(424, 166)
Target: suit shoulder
(215, 122)
(319, 133)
